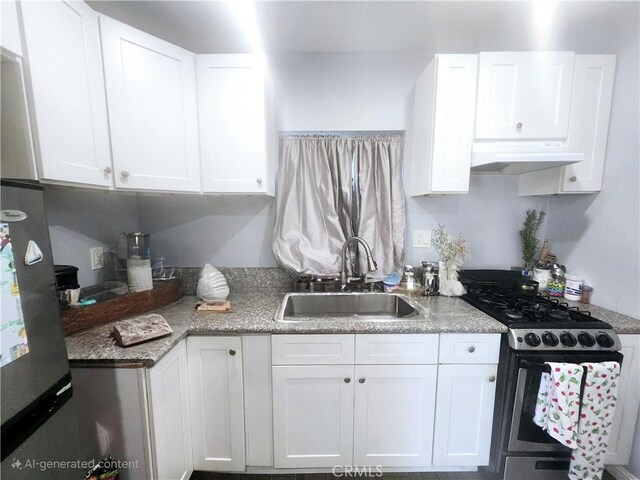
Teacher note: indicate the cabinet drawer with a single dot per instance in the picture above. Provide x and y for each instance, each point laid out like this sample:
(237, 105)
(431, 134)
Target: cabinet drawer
(469, 348)
(312, 349)
(396, 349)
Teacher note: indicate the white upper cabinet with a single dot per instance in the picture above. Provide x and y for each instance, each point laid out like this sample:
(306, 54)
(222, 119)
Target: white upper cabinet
(524, 95)
(588, 129)
(237, 124)
(442, 130)
(69, 111)
(151, 93)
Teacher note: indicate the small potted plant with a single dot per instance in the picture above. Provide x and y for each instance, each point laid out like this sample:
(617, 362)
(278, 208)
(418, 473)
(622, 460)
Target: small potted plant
(529, 238)
(452, 253)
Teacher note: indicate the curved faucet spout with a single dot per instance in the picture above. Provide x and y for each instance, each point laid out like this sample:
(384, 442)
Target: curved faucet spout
(371, 263)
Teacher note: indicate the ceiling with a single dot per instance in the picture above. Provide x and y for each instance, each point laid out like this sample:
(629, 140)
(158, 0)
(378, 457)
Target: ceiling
(368, 26)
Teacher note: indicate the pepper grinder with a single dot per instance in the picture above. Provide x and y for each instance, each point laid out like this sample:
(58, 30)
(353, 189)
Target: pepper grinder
(430, 279)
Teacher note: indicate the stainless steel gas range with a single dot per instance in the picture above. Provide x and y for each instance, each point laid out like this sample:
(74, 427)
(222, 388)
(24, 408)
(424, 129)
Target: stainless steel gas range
(541, 329)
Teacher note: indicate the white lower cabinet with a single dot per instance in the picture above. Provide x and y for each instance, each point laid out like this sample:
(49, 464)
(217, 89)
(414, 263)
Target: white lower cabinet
(464, 414)
(217, 406)
(170, 415)
(624, 420)
(313, 415)
(394, 413)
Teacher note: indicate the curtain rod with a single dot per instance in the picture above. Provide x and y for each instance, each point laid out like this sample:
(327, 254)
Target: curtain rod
(342, 133)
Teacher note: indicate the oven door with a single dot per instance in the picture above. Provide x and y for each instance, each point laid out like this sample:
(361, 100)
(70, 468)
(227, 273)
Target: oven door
(524, 434)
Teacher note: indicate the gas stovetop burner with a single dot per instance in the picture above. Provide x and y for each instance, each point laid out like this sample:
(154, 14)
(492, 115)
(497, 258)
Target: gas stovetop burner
(559, 315)
(537, 322)
(513, 314)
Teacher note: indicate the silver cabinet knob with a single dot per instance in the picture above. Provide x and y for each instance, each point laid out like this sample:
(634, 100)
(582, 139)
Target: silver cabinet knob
(232, 352)
(492, 378)
(519, 125)
(107, 170)
(573, 179)
(361, 380)
(259, 181)
(471, 349)
(125, 174)
(347, 380)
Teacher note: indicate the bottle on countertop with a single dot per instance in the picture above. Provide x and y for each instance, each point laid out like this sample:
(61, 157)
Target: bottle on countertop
(430, 279)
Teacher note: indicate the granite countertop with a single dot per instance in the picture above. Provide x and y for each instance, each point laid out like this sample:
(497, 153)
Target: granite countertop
(622, 324)
(253, 313)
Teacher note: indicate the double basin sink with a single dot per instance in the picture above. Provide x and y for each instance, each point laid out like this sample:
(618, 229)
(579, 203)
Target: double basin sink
(301, 307)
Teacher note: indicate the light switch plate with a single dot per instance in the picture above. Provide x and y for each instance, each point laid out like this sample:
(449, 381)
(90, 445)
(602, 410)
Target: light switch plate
(422, 238)
(97, 258)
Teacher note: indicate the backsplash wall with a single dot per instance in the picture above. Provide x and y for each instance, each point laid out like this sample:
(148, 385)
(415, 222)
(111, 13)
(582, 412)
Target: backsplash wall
(82, 219)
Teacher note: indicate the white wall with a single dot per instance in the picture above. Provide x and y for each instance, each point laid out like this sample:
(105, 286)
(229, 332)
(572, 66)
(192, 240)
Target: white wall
(190, 231)
(597, 236)
(345, 91)
(82, 219)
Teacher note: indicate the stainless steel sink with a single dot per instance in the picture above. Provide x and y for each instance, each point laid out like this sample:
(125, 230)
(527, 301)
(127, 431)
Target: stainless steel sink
(299, 307)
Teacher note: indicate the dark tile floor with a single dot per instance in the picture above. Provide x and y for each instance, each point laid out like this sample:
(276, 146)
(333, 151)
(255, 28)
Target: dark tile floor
(328, 476)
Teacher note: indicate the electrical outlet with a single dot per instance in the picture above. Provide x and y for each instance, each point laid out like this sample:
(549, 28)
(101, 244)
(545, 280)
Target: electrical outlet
(97, 258)
(422, 238)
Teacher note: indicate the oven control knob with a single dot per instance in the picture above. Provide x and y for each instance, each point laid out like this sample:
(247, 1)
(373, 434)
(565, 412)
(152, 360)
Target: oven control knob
(549, 339)
(532, 339)
(605, 340)
(586, 339)
(568, 340)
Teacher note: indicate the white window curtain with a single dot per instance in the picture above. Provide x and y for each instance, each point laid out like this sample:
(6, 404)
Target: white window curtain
(330, 188)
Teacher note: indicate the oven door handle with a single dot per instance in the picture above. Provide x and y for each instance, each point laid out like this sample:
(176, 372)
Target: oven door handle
(538, 367)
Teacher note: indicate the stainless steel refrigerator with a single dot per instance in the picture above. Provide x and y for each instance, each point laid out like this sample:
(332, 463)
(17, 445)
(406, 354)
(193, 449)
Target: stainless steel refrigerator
(39, 427)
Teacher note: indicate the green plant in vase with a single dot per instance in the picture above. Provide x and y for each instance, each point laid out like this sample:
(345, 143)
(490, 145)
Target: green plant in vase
(452, 252)
(529, 236)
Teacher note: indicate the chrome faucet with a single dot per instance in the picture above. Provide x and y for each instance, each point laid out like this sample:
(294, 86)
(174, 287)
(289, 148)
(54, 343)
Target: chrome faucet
(371, 263)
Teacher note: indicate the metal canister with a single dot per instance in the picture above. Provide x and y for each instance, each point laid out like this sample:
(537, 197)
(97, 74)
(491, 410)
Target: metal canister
(430, 279)
(138, 245)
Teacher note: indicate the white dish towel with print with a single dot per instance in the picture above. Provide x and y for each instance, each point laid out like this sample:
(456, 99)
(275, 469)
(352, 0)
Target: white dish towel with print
(558, 402)
(599, 400)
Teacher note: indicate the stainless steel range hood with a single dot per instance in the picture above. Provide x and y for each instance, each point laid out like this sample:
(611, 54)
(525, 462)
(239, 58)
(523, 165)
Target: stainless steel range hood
(514, 158)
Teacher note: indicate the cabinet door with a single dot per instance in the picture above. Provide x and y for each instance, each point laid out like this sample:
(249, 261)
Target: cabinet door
(589, 124)
(443, 125)
(312, 416)
(501, 86)
(547, 100)
(217, 405)
(394, 414)
(524, 95)
(170, 413)
(233, 109)
(67, 89)
(151, 93)
(464, 415)
(624, 420)
(454, 119)
(588, 130)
